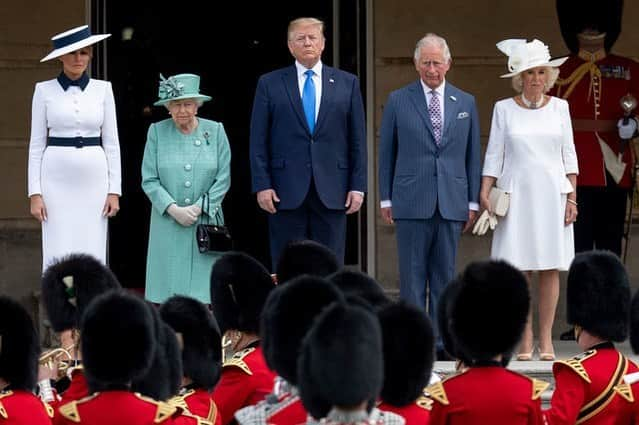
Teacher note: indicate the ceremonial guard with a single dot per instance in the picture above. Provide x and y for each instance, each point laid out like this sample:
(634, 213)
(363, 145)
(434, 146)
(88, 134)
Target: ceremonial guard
(341, 368)
(601, 89)
(163, 379)
(289, 313)
(358, 284)
(590, 388)
(68, 286)
(201, 355)
(409, 352)
(118, 343)
(305, 257)
(19, 350)
(486, 319)
(239, 288)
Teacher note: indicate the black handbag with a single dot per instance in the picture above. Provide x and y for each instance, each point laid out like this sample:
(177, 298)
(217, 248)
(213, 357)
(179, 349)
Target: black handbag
(212, 237)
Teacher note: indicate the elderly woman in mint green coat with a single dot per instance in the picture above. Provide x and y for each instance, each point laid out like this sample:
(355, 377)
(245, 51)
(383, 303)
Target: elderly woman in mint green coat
(185, 158)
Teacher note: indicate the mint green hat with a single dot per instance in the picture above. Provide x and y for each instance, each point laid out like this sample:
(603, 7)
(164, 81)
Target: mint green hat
(178, 87)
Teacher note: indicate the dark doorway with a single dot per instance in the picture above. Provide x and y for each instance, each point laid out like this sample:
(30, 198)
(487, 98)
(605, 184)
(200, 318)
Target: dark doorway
(229, 44)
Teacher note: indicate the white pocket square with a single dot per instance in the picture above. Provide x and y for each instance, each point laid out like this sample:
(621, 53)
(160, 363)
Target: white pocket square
(462, 115)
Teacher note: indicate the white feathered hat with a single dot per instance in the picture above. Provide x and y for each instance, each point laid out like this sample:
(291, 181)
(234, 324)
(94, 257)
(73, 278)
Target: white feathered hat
(523, 55)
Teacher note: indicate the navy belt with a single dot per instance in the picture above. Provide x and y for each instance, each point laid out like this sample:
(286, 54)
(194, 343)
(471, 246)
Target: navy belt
(78, 142)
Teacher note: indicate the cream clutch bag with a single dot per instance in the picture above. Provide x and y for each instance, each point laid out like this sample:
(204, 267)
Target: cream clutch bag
(499, 201)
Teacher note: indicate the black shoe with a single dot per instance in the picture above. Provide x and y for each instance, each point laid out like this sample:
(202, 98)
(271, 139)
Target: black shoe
(569, 335)
(443, 356)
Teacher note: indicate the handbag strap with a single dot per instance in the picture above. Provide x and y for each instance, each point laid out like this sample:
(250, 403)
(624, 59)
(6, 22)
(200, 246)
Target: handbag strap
(205, 210)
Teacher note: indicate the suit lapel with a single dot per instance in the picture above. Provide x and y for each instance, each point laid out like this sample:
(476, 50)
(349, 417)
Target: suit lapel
(292, 88)
(419, 99)
(328, 91)
(450, 109)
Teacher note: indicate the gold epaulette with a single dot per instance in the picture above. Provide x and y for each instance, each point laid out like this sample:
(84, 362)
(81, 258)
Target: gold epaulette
(70, 411)
(625, 391)
(200, 421)
(49, 409)
(3, 412)
(436, 392)
(538, 388)
(237, 360)
(180, 401)
(575, 364)
(212, 416)
(164, 410)
(424, 402)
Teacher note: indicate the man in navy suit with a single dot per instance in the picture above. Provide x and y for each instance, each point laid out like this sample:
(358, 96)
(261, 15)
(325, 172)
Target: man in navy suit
(429, 173)
(308, 145)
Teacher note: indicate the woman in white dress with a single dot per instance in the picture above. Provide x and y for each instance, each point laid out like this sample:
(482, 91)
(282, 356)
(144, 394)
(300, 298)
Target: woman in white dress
(74, 153)
(531, 155)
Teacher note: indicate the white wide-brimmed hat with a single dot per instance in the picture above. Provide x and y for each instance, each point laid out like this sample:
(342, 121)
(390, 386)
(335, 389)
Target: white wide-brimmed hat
(72, 40)
(523, 55)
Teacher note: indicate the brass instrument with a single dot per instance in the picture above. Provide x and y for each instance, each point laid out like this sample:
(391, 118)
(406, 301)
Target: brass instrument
(63, 357)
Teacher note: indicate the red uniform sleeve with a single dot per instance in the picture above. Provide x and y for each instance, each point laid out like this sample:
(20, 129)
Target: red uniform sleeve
(568, 397)
(231, 393)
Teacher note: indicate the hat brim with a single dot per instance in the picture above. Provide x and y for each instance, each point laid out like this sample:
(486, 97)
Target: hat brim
(552, 64)
(75, 46)
(201, 97)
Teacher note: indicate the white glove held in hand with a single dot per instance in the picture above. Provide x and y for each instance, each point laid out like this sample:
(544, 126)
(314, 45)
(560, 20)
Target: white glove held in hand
(485, 221)
(183, 215)
(628, 130)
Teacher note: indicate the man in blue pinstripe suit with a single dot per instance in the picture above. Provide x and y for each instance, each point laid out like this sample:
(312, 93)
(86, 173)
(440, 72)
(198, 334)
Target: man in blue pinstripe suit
(429, 173)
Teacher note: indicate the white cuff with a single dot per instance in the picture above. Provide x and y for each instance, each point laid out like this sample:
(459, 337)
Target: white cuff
(386, 204)
(473, 206)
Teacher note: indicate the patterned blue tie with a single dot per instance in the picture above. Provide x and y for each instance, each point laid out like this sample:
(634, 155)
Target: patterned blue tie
(308, 100)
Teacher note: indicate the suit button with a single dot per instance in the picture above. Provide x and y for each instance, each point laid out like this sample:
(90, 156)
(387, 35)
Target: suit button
(198, 143)
(187, 184)
(187, 167)
(312, 141)
(187, 200)
(308, 165)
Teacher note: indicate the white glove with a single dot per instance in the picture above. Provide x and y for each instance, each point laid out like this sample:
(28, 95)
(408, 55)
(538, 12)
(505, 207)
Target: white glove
(628, 130)
(182, 215)
(485, 221)
(195, 210)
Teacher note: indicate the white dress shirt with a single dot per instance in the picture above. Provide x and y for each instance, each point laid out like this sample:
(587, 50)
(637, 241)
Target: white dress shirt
(317, 80)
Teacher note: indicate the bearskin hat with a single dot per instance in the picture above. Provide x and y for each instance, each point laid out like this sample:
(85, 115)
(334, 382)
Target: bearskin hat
(19, 346)
(70, 284)
(358, 284)
(288, 314)
(490, 309)
(409, 352)
(239, 288)
(341, 362)
(578, 15)
(117, 340)
(305, 257)
(164, 378)
(444, 308)
(598, 295)
(202, 343)
(634, 323)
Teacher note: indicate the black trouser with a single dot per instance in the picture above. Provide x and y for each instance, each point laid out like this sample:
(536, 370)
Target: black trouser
(600, 223)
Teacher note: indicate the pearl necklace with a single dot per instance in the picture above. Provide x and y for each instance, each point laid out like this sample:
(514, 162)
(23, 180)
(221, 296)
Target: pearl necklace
(532, 105)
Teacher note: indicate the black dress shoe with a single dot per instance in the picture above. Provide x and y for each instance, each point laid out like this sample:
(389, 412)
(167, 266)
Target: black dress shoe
(443, 356)
(569, 335)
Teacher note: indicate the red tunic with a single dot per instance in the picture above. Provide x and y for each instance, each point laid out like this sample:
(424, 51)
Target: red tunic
(245, 381)
(619, 76)
(23, 408)
(417, 413)
(198, 402)
(116, 407)
(589, 389)
(487, 395)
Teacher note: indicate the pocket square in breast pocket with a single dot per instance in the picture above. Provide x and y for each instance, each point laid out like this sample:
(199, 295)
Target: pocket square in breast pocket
(462, 115)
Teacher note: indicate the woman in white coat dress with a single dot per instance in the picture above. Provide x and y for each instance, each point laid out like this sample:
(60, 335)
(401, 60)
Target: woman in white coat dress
(531, 155)
(74, 153)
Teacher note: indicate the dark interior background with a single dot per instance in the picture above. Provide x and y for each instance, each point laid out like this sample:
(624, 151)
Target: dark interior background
(229, 44)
